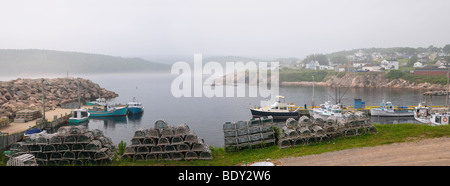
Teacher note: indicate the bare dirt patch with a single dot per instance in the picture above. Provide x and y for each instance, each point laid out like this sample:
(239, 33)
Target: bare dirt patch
(431, 152)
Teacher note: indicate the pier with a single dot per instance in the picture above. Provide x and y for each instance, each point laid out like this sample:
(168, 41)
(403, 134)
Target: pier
(14, 131)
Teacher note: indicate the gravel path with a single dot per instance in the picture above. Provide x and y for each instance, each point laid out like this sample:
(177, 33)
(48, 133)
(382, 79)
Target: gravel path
(432, 152)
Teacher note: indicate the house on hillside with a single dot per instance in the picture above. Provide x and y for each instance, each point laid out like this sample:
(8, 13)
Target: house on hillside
(388, 65)
(359, 64)
(418, 65)
(372, 68)
(326, 67)
(341, 68)
(313, 65)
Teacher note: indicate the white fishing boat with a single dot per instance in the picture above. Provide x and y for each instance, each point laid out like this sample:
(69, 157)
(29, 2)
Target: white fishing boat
(326, 110)
(387, 110)
(422, 113)
(79, 116)
(439, 119)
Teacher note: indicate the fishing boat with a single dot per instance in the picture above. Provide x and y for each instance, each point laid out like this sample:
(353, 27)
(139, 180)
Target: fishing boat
(326, 110)
(439, 119)
(387, 110)
(278, 110)
(135, 107)
(98, 101)
(32, 131)
(79, 116)
(108, 110)
(422, 113)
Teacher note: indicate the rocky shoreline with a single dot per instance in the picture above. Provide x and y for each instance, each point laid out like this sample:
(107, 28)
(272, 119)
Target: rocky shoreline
(369, 80)
(22, 94)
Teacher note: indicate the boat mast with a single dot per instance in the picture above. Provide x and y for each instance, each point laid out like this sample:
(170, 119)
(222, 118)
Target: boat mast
(313, 94)
(78, 93)
(446, 99)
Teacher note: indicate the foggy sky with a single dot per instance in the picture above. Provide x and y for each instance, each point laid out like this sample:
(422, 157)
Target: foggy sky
(251, 28)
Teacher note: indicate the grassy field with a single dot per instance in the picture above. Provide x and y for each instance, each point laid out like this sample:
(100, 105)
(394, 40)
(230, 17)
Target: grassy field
(387, 134)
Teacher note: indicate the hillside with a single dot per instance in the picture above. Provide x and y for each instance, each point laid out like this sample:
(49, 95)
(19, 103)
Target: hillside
(49, 61)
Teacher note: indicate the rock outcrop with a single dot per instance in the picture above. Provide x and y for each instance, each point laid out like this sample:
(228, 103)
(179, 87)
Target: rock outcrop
(27, 93)
(369, 80)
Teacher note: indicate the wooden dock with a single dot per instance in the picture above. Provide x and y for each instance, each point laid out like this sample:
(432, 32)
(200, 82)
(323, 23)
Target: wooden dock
(13, 132)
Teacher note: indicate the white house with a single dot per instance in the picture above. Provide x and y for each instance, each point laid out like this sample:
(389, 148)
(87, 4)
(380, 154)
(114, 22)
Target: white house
(326, 67)
(418, 65)
(389, 64)
(372, 68)
(359, 64)
(314, 65)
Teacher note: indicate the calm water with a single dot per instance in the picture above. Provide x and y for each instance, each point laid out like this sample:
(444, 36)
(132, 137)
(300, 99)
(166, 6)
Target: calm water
(206, 115)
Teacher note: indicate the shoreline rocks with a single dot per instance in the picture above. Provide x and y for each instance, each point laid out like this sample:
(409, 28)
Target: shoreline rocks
(369, 80)
(21, 93)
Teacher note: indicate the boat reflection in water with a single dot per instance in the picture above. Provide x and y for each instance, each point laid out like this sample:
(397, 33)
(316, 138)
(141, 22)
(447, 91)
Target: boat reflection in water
(110, 121)
(135, 118)
(393, 120)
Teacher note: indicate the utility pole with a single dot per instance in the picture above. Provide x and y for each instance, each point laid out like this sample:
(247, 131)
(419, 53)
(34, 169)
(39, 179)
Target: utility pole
(43, 102)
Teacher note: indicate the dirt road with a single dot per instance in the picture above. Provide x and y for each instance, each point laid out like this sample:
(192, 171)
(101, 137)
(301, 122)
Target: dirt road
(432, 152)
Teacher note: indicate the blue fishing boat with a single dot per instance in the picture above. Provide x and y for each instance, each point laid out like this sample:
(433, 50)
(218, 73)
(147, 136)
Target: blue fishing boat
(98, 101)
(135, 107)
(31, 131)
(108, 110)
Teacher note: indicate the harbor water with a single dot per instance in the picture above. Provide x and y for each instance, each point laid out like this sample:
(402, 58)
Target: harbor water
(206, 115)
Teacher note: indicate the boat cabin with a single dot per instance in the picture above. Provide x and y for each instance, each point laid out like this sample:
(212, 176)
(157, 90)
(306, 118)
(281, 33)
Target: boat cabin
(79, 113)
(387, 106)
(134, 104)
(281, 105)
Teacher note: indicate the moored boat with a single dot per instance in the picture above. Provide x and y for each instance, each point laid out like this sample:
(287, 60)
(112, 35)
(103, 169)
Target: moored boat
(108, 110)
(422, 113)
(278, 110)
(79, 116)
(326, 110)
(439, 119)
(98, 101)
(135, 107)
(32, 131)
(387, 110)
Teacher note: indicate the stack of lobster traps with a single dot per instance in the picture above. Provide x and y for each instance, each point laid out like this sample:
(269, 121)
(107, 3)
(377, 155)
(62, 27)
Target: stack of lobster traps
(164, 142)
(71, 145)
(254, 133)
(314, 130)
(27, 115)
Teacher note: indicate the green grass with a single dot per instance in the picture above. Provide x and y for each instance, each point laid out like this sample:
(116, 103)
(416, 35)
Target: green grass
(387, 134)
(303, 75)
(434, 79)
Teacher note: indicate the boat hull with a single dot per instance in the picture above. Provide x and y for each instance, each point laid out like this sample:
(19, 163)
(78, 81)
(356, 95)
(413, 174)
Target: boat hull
(77, 120)
(275, 115)
(374, 112)
(117, 112)
(135, 110)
